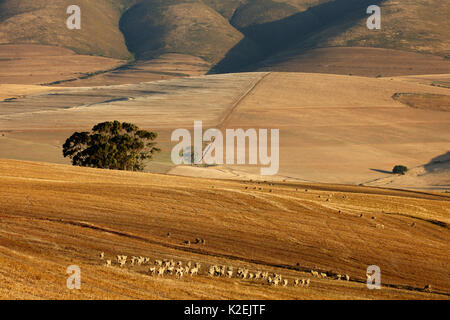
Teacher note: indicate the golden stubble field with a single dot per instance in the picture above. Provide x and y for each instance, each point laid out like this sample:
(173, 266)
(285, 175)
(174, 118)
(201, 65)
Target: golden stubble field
(336, 129)
(53, 216)
(32, 64)
(38, 64)
(357, 61)
(341, 129)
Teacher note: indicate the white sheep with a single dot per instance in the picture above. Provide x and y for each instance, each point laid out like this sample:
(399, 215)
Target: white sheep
(170, 270)
(194, 271)
(161, 271)
(179, 272)
(307, 282)
(122, 260)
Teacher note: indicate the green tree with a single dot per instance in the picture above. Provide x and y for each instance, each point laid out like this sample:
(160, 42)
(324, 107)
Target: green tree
(111, 145)
(400, 170)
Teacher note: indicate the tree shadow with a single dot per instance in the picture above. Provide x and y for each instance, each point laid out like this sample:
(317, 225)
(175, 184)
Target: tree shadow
(382, 171)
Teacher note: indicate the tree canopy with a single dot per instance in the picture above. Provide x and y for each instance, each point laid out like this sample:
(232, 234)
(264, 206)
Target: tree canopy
(112, 145)
(400, 169)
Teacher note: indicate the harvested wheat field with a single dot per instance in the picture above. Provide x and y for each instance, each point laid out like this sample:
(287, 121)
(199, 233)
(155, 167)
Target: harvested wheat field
(53, 216)
(333, 128)
(167, 66)
(342, 129)
(10, 92)
(39, 64)
(357, 61)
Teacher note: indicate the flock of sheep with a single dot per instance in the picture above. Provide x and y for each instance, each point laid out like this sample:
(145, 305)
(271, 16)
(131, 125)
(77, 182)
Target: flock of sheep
(263, 276)
(171, 268)
(323, 275)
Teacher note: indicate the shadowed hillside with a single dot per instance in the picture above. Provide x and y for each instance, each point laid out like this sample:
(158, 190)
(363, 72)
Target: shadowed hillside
(259, 12)
(407, 26)
(232, 35)
(274, 36)
(411, 25)
(174, 26)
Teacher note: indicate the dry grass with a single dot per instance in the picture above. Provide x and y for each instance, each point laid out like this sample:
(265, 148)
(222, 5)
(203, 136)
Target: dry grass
(165, 67)
(43, 23)
(11, 91)
(38, 64)
(342, 129)
(408, 25)
(434, 102)
(357, 61)
(53, 216)
(184, 27)
(336, 129)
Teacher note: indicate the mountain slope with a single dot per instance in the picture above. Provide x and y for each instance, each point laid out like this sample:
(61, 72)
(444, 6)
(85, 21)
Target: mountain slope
(44, 22)
(420, 26)
(232, 35)
(188, 27)
(261, 11)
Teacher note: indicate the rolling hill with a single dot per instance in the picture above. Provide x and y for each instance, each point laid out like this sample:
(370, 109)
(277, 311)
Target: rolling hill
(349, 104)
(236, 35)
(41, 22)
(53, 216)
(333, 128)
(185, 27)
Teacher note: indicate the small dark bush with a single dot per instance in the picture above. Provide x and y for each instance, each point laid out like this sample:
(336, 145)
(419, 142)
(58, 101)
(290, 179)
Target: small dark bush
(400, 170)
